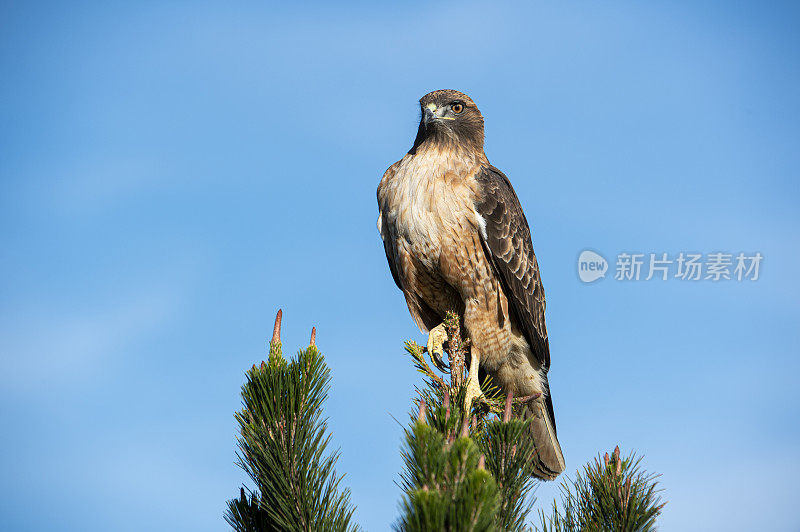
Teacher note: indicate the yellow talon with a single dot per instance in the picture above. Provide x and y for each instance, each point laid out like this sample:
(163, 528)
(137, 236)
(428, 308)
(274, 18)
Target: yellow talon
(436, 339)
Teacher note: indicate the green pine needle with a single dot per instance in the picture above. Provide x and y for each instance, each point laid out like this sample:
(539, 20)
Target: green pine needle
(612, 493)
(282, 447)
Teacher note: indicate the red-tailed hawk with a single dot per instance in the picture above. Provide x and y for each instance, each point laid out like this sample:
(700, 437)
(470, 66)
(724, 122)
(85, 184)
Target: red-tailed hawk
(456, 239)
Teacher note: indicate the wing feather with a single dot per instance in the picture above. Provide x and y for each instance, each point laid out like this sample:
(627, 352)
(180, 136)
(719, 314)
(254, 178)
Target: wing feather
(388, 248)
(506, 239)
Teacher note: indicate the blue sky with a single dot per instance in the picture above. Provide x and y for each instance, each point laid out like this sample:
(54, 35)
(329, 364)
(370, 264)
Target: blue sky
(173, 173)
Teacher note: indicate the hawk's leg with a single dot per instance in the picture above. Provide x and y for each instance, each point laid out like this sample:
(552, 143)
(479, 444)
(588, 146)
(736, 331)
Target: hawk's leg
(436, 339)
(473, 380)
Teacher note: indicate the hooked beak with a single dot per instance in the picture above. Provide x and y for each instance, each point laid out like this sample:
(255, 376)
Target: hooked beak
(431, 113)
(428, 115)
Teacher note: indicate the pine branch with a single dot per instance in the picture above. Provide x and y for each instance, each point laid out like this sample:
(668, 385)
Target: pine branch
(611, 494)
(511, 458)
(485, 486)
(282, 447)
(246, 515)
(417, 354)
(446, 485)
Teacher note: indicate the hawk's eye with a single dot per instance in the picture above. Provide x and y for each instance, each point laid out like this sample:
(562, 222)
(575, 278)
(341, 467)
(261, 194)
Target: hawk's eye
(457, 107)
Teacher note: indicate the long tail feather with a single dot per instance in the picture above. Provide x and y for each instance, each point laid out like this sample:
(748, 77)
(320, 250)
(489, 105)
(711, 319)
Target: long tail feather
(543, 430)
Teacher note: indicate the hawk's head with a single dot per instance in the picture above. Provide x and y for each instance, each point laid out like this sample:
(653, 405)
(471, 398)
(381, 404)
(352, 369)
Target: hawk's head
(450, 117)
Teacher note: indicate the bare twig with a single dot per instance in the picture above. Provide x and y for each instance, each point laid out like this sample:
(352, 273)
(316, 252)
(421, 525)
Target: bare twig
(456, 348)
(416, 352)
